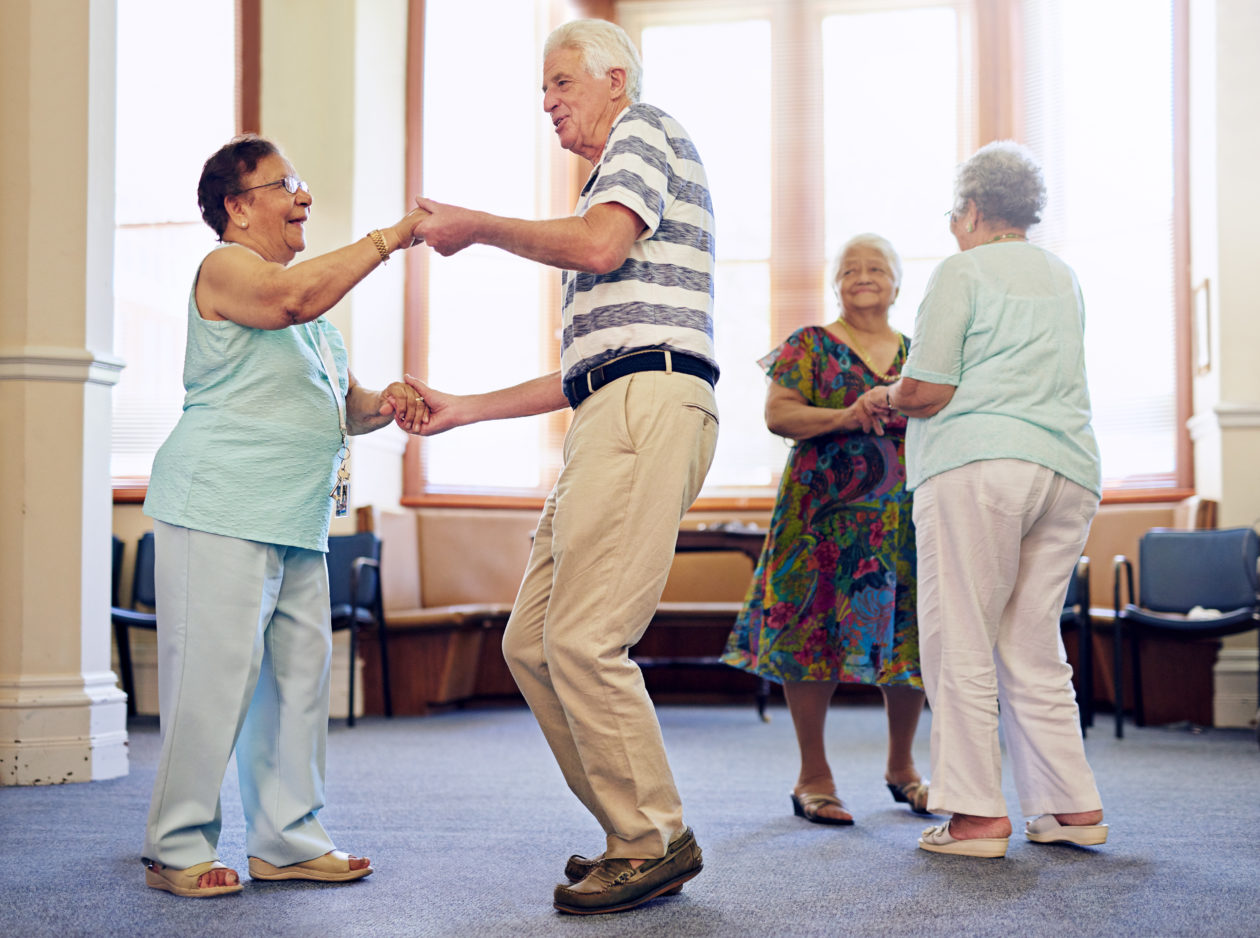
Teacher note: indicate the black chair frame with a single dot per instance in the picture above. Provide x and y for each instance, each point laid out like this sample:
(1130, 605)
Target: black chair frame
(1075, 616)
(143, 592)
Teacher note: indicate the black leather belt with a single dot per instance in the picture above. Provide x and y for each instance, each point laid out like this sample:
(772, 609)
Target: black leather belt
(583, 386)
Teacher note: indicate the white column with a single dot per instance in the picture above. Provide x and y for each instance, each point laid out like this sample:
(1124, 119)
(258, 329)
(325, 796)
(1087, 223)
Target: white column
(1225, 200)
(61, 717)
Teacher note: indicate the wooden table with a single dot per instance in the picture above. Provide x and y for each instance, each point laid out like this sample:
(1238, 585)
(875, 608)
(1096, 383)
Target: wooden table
(736, 537)
(745, 539)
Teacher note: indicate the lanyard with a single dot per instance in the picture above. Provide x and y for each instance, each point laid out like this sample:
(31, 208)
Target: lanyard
(341, 491)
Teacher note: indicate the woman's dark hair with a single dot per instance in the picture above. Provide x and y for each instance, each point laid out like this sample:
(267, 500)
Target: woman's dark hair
(221, 176)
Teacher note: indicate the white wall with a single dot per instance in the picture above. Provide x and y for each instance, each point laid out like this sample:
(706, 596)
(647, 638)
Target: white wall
(1225, 203)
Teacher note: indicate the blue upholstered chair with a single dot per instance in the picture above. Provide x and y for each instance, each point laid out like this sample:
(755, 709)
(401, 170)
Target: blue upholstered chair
(354, 590)
(1210, 572)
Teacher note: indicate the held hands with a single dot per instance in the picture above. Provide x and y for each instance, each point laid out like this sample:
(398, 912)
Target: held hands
(441, 411)
(447, 229)
(872, 410)
(404, 229)
(404, 404)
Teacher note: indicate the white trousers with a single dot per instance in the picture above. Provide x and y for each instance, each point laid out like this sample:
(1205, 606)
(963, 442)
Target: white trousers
(244, 647)
(635, 458)
(997, 542)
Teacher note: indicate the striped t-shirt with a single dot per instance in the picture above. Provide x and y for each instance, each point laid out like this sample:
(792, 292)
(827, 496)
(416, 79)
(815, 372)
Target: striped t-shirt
(662, 296)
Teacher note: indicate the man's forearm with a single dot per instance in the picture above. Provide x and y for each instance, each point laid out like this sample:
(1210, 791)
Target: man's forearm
(597, 242)
(537, 396)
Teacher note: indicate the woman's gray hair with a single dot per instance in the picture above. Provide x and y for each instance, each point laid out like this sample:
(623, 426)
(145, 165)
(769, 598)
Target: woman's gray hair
(1005, 182)
(603, 47)
(869, 240)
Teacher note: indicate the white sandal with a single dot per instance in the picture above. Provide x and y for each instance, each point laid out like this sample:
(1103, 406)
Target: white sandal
(1046, 829)
(939, 840)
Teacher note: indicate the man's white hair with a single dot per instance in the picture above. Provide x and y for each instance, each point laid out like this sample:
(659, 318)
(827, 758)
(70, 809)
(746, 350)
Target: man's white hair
(603, 47)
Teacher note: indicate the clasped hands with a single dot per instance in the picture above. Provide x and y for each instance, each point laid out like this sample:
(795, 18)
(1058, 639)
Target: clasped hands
(404, 404)
(447, 229)
(873, 410)
(419, 409)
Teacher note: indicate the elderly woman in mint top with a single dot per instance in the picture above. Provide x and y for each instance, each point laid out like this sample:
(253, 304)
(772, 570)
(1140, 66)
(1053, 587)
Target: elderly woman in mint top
(637, 367)
(832, 599)
(1006, 479)
(242, 493)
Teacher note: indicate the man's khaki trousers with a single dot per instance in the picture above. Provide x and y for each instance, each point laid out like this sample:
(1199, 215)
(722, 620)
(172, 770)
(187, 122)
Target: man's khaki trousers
(634, 460)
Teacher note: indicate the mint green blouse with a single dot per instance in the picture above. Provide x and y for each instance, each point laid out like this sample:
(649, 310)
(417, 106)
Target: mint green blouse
(1005, 325)
(255, 452)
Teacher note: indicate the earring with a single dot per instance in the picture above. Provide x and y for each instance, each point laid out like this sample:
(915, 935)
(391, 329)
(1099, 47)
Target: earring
(245, 224)
(970, 228)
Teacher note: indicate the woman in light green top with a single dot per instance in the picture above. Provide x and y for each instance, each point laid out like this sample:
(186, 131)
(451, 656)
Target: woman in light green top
(242, 493)
(1005, 472)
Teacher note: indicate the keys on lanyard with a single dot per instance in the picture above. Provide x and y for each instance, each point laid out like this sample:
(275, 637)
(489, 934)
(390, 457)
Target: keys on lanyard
(341, 491)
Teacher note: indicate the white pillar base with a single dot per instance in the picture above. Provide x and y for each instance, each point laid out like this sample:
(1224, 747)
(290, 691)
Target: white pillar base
(1234, 700)
(63, 728)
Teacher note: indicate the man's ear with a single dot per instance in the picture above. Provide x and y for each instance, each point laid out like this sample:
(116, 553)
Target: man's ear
(617, 80)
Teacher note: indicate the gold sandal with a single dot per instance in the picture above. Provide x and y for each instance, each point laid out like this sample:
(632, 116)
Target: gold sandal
(332, 867)
(184, 882)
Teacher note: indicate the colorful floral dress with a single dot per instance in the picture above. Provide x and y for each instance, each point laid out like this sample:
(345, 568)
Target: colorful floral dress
(833, 595)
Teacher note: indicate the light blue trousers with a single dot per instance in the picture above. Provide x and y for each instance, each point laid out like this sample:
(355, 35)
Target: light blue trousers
(244, 646)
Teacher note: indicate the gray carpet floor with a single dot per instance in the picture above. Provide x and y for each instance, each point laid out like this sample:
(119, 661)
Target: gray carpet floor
(468, 823)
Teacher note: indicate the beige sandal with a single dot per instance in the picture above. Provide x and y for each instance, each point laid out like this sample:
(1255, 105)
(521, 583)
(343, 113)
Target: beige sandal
(809, 803)
(184, 882)
(332, 867)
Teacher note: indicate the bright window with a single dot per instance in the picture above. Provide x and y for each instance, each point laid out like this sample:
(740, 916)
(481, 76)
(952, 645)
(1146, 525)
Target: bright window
(741, 191)
(890, 145)
(820, 103)
(487, 328)
(818, 120)
(1102, 125)
(174, 110)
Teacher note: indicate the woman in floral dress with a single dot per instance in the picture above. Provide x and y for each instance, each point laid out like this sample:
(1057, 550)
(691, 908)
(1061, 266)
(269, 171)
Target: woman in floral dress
(833, 595)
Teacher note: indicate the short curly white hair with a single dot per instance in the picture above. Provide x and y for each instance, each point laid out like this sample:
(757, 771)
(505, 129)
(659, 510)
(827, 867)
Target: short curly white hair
(603, 46)
(1005, 182)
(868, 240)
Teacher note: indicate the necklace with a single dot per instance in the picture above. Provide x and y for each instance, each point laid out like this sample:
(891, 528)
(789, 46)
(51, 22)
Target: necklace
(866, 360)
(1009, 236)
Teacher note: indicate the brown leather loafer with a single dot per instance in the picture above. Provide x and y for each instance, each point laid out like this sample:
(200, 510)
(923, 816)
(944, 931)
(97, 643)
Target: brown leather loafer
(580, 867)
(616, 886)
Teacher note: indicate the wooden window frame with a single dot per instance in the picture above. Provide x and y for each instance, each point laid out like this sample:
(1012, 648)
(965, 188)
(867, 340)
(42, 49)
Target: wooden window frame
(998, 69)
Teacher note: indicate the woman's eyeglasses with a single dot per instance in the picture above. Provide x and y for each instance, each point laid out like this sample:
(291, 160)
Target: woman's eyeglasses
(291, 185)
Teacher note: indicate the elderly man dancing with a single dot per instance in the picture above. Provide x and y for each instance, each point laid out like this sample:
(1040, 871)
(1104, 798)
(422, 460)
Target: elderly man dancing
(638, 368)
